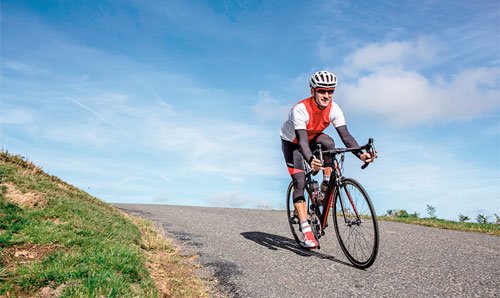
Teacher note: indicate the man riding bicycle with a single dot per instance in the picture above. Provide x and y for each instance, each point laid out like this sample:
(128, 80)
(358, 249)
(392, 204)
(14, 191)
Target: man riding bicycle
(303, 130)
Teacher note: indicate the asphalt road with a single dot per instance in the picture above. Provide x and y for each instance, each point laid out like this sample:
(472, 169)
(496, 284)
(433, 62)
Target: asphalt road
(251, 253)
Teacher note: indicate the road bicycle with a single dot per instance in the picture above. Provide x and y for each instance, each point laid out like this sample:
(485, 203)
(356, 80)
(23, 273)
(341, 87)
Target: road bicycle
(353, 215)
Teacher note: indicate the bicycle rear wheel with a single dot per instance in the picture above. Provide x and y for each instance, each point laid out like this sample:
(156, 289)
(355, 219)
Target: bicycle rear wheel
(356, 224)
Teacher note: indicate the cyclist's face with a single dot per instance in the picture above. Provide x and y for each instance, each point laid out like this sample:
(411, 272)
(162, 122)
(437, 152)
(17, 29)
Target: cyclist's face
(323, 97)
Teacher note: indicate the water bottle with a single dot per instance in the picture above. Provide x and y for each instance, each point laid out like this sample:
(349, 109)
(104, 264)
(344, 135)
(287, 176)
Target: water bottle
(324, 187)
(315, 189)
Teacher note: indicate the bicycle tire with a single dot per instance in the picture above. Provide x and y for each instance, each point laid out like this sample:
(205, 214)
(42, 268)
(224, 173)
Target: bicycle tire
(358, 238)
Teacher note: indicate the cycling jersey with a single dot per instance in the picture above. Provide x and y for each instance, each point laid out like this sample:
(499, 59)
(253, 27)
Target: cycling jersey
(306, 115)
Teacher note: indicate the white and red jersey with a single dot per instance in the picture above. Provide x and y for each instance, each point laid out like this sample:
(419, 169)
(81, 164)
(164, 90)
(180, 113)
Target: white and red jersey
(306, 115)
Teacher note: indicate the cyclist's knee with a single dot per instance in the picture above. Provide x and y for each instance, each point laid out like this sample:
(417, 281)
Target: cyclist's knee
(299, 183)
(299, 199)
(326, 142)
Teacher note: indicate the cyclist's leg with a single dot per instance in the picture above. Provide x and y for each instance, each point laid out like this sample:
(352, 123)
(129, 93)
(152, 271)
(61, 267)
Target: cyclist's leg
(299, 201)
(295, 163)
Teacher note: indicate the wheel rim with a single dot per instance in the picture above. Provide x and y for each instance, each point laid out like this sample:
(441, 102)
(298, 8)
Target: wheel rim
(358, 236)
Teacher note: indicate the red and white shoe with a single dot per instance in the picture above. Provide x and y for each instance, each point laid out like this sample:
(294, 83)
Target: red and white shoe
(309, 240)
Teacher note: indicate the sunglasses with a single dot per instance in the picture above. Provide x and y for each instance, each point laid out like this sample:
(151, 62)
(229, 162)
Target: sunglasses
(323, 91)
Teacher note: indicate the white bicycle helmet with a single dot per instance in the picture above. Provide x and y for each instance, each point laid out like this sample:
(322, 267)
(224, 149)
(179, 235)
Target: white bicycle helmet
(323, 79)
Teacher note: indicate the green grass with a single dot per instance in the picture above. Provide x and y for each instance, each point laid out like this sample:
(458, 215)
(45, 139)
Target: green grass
(491, 229)
(76, 244)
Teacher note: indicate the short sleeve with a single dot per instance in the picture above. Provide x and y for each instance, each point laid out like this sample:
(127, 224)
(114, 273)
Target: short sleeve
(337, 116)
(299, 116)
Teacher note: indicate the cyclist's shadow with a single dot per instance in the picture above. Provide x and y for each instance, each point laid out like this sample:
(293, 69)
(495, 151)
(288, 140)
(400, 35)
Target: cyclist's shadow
(274, 242)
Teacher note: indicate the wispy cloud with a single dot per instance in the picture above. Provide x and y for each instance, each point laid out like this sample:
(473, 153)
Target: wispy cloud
(16, 115)
(97, 115)
(132, 106)
(269, 108)
(418, 172)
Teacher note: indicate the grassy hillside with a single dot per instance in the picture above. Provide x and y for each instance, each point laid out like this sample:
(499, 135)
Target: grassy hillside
(56, 240)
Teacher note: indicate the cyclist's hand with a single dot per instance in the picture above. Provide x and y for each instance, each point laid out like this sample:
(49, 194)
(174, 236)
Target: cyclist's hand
(316, 164)
(367, 157)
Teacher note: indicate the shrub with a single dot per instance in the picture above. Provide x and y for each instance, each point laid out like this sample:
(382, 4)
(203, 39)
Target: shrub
(482, 219)
(431, 210)
(463, 218)
(400, 213)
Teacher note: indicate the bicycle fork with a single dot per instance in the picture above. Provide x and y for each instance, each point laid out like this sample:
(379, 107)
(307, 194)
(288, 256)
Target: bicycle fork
(330, 201)
(349, 223)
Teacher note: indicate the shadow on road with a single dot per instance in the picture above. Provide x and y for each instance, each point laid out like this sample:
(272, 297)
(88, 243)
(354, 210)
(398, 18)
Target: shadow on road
(274, 242)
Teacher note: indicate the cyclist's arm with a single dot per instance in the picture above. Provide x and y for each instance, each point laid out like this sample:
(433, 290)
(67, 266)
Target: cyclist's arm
(348, 140)
(304, 144)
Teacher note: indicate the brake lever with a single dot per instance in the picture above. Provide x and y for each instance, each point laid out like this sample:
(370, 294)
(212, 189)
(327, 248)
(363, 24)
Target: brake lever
(371, 150)
(318, 149)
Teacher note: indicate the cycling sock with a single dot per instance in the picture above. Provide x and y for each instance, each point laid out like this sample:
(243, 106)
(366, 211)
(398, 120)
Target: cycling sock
(324, 184)
(304, 226)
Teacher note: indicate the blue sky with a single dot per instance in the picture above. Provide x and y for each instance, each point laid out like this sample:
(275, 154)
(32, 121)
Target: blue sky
(180, 102)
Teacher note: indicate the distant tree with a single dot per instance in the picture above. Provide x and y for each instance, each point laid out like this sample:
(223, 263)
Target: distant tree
(401, 213)
(481, 218)
(463, 218)
(431, 210)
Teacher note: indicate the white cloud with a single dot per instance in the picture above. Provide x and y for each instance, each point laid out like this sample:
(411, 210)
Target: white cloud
(400, 54)
(165, 135)
(230, 199)
(269, 108)
(79, 134)
(16, 66)
(385, 80)
(407, 97)
(410, 174)
(9, 115)
(235, 150)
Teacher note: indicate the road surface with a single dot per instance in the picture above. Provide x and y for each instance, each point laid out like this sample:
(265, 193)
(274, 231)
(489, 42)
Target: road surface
(251, 253)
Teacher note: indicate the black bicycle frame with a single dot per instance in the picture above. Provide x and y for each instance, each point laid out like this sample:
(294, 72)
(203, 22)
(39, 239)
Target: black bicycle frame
(332, 191)
(333, 188)
(336, 178)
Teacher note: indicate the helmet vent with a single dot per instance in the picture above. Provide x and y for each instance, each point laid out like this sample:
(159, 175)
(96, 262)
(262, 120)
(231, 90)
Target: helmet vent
(323, 79)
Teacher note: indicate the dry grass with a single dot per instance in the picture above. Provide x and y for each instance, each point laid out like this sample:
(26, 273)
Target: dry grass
(24, 199)
(174, 275)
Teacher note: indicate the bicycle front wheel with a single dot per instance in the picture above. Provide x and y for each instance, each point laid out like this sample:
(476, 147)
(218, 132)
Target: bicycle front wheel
(356, 224)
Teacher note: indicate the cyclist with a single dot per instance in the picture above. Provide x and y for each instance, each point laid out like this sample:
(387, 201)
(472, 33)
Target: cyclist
(303, 130)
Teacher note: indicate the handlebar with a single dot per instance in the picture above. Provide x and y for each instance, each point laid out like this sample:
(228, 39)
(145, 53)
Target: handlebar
(368, 147)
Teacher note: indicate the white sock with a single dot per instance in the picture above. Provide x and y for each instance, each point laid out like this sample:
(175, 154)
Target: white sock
(305, 227)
